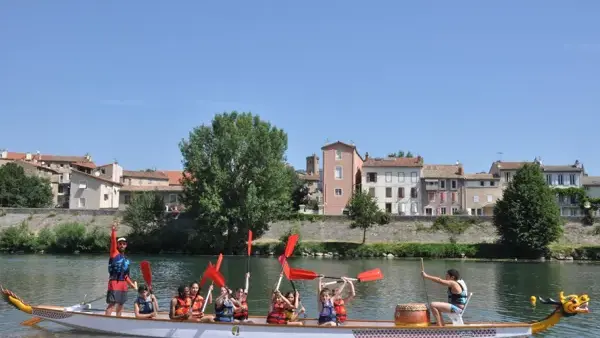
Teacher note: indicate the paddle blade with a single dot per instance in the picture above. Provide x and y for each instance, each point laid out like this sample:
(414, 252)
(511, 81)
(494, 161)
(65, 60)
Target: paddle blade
(285, 266)
(215, 276)
(219, 261)
(204, 277)
(369, 276)
(32, 321)
(249, 242)
(291, 244)
(146, 272)
(301, 274)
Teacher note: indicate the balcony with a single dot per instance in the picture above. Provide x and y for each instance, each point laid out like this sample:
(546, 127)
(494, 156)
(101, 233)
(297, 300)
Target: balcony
(432, 185)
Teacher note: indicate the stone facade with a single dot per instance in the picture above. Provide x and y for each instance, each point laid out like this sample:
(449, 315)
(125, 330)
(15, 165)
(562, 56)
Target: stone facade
(409, 229)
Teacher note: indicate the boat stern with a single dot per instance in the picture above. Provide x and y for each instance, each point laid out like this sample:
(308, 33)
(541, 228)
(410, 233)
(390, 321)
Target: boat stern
(15, 301)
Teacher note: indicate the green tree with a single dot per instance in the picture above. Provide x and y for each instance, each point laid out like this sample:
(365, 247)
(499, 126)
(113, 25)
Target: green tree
(364, 212)
(145, 213)
(409, 155)
(236, 178)
(18, 190)
(527, 217)
(400, 154)
(299, 190)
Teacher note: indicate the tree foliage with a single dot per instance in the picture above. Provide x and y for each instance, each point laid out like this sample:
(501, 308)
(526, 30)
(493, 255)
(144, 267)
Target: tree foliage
(401, 154)
(236, 178)
(299, 190)
(145, 213)
(527, 217)
(18, 190)
(364, 212)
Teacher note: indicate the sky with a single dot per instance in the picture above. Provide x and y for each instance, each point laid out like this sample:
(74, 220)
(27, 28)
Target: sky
(473, 81)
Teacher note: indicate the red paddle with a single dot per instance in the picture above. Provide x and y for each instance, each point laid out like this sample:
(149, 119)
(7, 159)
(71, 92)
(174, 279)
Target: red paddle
(367, 276)
(289, 249)
(213, 274)
(248, 262)
(205, 275)
(147, 273)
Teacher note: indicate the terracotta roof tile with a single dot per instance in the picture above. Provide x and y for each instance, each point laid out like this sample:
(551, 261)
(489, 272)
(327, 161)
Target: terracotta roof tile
(90, 165)
(511, 165)
(329, 145)
(442, 171)
(480, 176)
(166, 188)
(563, 168)
(174, 176)
(394, 162)
(158, 175)
(38, 165)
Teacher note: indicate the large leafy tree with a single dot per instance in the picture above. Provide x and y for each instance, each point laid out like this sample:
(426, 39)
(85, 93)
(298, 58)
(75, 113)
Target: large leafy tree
(145, 213)
(236, 178)
(18, 190)
(527, 217)
(364, 212)
(299, 190)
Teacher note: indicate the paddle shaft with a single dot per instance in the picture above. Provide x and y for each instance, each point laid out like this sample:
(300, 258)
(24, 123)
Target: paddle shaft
(424, 284)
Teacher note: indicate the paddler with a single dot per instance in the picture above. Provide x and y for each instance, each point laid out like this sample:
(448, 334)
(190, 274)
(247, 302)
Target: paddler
(118, 274)
(181, 304)
(225, 306)
(457, 295)
(198, 303)
(146, 305)
(339, 302)
(241, 295)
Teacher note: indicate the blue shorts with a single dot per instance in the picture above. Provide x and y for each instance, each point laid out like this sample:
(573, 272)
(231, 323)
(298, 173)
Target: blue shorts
(455, 309)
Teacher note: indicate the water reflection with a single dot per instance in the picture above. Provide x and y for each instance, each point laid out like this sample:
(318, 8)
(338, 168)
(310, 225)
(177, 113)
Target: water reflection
(501, 290)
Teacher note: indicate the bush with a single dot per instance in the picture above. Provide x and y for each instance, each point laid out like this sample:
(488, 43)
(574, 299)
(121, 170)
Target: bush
(17, 238)
(45, 239)
(70, 237)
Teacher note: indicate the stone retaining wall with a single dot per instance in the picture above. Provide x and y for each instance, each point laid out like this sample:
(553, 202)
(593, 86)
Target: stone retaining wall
(324, 228)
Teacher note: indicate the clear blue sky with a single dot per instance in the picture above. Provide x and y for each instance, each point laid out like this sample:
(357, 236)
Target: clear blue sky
(450, 80)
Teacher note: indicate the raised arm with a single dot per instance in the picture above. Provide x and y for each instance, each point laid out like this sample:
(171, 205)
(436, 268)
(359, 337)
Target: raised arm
(113, 240)
(247, 282)
(437, 279)
(352, 292)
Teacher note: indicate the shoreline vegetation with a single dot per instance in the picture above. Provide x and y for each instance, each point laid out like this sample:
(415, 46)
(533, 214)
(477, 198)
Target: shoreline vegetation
(77, 238)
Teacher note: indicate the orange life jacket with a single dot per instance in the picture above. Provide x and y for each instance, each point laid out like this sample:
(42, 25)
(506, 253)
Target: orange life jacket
(197, 307)
(242, 312)
(183, 306)
(340, 310)
(277, 315)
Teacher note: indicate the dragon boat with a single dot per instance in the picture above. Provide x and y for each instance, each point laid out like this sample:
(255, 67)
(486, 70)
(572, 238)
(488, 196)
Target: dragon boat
(411, 321)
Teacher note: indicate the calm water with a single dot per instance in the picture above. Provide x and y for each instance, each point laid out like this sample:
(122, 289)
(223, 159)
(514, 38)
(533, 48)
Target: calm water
(501, 290)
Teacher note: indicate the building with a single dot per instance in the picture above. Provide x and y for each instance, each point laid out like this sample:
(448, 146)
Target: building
(481, 191)
(34, 169)
(442, 187)
(165, 183)
(561, 177)
(505, 171)
(341, 174)
(395, 182)
(92, 191)
(145, 178)
(591, 184)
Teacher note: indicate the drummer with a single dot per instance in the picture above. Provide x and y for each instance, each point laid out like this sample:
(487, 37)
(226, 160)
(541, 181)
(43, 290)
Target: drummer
(457, 294)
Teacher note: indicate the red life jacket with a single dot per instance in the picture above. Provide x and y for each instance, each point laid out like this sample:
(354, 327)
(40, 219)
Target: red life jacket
(242, 312)
(197, 307)
(340, 310)
(183, 306)
(277, 315)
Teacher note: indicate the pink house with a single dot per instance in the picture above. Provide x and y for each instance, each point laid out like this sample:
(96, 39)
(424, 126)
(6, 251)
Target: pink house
(341, 176)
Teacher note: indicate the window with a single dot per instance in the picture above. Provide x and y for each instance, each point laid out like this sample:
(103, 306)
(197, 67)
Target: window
(560, 179)
(479, 212)
(549, 179)
(481, 183)
(338, 172)
(400, 177)
(388, 192)
(61, 189)
(388, 207)
(400, 192)
(453, 184)
(428, 211)
(442, 210)
(476, 199)
(106, 197)
(507, 176)
(172, 198)
(573, 199)
(103, 171)
(453, 197)
(574, 212)
(372, 177)
(442, 197)
(492, 183)
(413, 193)
(442, 184)
(572, 180)
(372, 192)
(81, 202)
(490, 198)
(413, 177)
(454, 211)
(338, 155)
(338, 191)
(82, 184)
(127, 199)
(388, 177)
(431, 196)
(60, 179)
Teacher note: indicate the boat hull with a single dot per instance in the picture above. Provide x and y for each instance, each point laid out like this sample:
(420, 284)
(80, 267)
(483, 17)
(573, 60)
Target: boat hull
(128, 325)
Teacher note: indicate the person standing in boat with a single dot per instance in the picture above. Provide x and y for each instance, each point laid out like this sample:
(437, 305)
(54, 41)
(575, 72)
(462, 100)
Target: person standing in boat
(198, 303)
(457, 294)
(118, 274)
(146, 305)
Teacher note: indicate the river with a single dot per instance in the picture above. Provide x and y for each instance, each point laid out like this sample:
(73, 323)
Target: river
(501, 289)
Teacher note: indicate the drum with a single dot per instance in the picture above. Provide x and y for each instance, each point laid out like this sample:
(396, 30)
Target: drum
(412, 314)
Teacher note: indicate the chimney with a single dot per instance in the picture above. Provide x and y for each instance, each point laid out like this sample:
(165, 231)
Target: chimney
(3, 153)
(366, 156)
(419, 159)
(460, 171)
(28, 156)
(577, 164)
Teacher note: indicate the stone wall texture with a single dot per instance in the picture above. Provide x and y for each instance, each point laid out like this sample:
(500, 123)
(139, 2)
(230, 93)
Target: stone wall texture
(408, 229)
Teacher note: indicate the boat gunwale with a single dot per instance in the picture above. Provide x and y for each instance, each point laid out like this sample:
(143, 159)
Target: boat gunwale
(473, 326)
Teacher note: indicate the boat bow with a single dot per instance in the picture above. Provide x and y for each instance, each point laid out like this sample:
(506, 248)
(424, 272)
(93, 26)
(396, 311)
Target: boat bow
(15, 301)
(566, 306)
